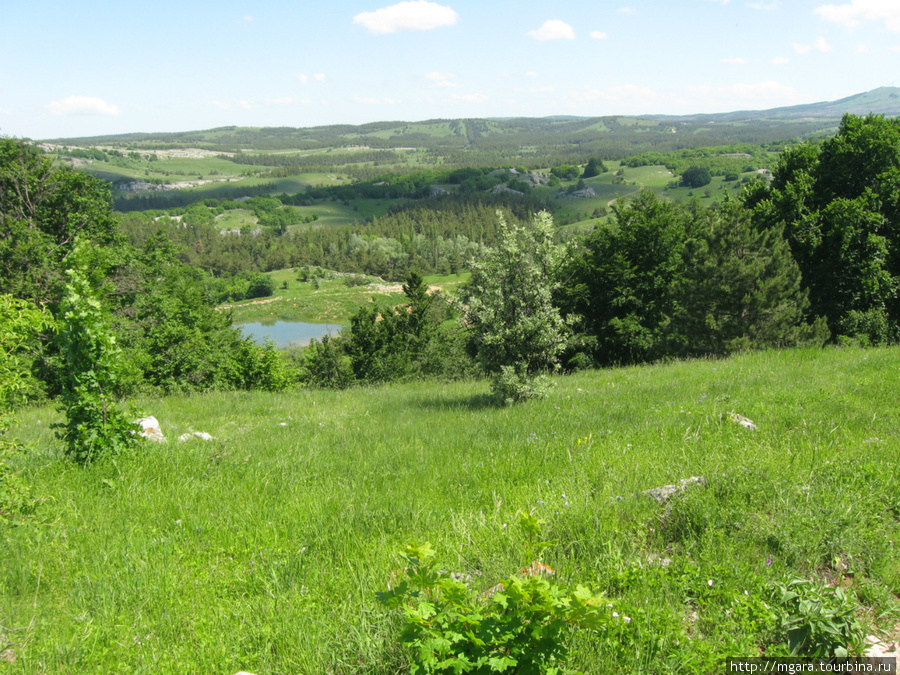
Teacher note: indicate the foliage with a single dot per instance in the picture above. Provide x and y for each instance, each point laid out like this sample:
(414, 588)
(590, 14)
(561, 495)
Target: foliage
(837, 203)
(819, 621)
(594, 167)
(620, 281)
(740, 289)
(327, 364)
(696, 176)
(91, 369)
(517, 331)
(521, 625)
(43, 208)
(20, 321)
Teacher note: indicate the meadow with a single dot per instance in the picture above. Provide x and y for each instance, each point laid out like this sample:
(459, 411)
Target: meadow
(262, 550)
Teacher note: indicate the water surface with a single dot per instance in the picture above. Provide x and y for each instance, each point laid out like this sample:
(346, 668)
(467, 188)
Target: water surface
(288, 333)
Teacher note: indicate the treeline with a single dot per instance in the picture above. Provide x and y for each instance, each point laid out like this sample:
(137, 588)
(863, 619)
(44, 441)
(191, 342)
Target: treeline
(173, 199)
(718, 160)
(320, 160)
(440, 234)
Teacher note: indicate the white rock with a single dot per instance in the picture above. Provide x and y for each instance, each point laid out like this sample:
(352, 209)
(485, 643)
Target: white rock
(202, 435)
(150, 429)
(743, 421)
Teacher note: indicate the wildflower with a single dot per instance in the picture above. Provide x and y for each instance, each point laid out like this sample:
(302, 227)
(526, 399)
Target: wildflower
(626, 619)
(769, 561)
(709, 583)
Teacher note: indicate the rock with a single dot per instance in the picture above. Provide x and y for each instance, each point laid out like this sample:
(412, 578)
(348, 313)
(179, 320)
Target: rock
(876, 648)
(202, 435)
(150, 429)
(743, 421)
(663, 494)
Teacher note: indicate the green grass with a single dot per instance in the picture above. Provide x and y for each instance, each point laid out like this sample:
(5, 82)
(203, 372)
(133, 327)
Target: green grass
(333, 302)
(262, 550)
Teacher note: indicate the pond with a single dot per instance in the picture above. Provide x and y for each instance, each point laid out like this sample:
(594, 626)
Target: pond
(288, 333)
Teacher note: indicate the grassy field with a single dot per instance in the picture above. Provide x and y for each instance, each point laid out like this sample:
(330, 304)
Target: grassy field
(262, 550)
(332, 302)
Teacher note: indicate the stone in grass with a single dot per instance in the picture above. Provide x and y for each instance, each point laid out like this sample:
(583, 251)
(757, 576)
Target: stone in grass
(663, 494)
(743, 421)
(202, 435)
(150, 429)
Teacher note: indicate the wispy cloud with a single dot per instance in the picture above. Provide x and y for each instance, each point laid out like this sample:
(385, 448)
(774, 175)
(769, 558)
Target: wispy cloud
(369, 100)
(305, 79)
(598, 35)
(735, 60)
(442, 80)
(764, 6)
(83, 105)
(779, 61)
(410, 15)
(553, 29)
(469, 98)
(853, 13)
(821, 45)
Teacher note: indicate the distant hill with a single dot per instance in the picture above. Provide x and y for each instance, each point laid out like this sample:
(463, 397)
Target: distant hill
(884, 101)
(499, 141)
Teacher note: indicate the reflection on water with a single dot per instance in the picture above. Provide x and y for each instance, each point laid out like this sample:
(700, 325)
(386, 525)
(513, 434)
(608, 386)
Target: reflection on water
(288, 333)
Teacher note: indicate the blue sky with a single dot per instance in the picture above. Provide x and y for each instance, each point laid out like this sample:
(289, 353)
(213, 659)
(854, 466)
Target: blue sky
(96, 67)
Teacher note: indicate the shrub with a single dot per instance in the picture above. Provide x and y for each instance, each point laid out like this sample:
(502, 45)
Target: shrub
(520, 625)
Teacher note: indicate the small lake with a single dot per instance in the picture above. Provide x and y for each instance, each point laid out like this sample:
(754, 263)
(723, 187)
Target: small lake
(288, 333)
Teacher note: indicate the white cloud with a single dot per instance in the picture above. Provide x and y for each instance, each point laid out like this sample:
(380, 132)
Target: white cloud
(894, 49)
(598, 35)
(410, 15)
(368, 100)
(532, 73)
(246, 19)
(764, 6)
(862, 49)
(83, 105)
(820, 45)
(537, 90)
(442, 80)
(852, 13)
(285, 100)
(469, 98)
(554, 29)
(627, 10)
(779, 61)
(304, 79)
(735, 60)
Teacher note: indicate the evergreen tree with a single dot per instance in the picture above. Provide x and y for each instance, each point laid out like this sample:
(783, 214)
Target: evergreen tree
(740, 289)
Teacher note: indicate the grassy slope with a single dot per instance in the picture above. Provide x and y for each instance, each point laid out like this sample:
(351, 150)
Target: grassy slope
(262, 550)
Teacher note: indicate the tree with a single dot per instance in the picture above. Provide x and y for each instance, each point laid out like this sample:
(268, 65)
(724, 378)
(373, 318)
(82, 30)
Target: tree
(517, 331)
(594, 167)
(839, 205)
(696, 177)
(620, 281)
(42, 209)
(740, 289)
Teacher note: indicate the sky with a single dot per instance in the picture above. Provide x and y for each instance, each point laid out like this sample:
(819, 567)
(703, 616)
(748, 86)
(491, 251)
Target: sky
(93, 67)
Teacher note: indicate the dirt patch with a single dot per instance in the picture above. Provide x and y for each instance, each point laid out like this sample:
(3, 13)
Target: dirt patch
(254, 302)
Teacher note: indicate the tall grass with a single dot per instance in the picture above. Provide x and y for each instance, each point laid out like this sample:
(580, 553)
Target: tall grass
(263, 549)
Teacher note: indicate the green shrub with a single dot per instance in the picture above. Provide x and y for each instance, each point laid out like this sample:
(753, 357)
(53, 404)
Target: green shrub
(520, 625)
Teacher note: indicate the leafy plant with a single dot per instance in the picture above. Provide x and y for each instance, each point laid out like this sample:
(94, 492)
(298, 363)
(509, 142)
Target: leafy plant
(817, 620)
(520, 625)
(91, 369)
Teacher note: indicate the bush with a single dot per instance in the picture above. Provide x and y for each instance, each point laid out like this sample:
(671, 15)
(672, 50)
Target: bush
(696, 177)
(520, 625)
